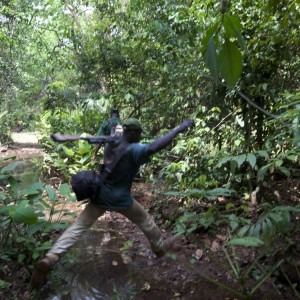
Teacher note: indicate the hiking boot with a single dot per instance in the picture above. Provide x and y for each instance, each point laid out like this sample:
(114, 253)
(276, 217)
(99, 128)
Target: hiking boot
(167, 246)
(42, 268)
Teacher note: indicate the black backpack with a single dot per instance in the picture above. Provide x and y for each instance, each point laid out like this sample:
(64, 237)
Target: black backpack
(87, 184)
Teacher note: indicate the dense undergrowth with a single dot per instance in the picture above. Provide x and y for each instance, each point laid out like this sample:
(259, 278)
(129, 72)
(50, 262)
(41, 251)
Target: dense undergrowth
(215, 189)
(232, 66)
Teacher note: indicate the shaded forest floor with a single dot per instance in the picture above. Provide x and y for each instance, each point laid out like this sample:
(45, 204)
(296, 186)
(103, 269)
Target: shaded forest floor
(195, 261)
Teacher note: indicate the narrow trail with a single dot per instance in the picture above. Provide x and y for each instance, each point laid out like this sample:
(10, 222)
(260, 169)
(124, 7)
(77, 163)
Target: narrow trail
(24, 146)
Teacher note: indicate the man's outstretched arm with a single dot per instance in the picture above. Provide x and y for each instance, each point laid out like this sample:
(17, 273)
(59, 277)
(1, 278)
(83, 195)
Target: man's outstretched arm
(166, 139)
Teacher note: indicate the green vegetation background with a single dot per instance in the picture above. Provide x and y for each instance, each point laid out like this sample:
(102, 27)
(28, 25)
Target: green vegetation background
(233, 66)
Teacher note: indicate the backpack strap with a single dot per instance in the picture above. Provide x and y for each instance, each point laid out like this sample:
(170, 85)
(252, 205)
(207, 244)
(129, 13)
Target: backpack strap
(110, 167)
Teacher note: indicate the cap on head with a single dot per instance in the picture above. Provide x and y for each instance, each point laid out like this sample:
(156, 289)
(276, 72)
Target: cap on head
(132, 124)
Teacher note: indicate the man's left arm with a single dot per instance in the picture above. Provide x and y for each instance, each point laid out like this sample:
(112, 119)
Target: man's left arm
(166, 139)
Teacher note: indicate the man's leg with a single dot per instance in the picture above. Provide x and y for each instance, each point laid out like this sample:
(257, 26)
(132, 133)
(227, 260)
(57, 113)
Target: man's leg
(86, 219)
(137, 214)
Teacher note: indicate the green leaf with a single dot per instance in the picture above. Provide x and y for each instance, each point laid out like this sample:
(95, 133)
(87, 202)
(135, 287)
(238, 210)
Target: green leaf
(44, 246)
(278, 162)
(173, 193)
(24, 215)
(233, 165)
(230, 63)
(2, 196)
(223, 161)
(195, 192)
(21, 257)
(240, 159)
(251, 158)
(233, 29)
(51, 193)
(249, 241)
(11, 167)
(210, 32)
(256, 230)
(72, 198)
(68, 151)
(202, 179)
(262, 171)
(33, 189)
(64, 189)
(268, 229)
(287, 209)
(4, 210)
(220, 192)
(128, 97)
(285, 171)
(45, 204)
(212, 59)
(3, 284)
(233, 221)
(244, 230)
(263, 153)
(33, 228)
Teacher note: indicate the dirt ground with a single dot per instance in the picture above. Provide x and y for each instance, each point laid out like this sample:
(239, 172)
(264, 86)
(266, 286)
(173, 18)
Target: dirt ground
(196, 266)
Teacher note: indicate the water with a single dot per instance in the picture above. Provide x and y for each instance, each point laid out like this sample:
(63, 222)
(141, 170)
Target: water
(94, 269)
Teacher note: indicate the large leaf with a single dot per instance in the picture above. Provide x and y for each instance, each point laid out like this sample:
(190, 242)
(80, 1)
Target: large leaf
(2, 196)
(240, 159)
(210, 32)
(263, 153)
(33, 189)
(24, 215)
(287, 209)
(11, 167)
(230, 63)
(233, 29)
(65, 189)
(249, 241)
(3, 113)
(251, 158)
(220, 192)
(7, 158)
(211, 58)
(33, 228)
(223, 161)
(51, 193)
(262, 171)
(4, 210)
(68, 151)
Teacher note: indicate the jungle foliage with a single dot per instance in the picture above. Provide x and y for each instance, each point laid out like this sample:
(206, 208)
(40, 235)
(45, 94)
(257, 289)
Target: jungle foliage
(232, 65)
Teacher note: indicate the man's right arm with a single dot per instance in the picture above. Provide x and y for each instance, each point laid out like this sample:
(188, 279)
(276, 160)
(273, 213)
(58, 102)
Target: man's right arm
(166, 139)
(98, 146)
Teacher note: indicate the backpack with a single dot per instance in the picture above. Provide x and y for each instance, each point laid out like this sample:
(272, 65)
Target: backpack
(116, 129)
(87, 184)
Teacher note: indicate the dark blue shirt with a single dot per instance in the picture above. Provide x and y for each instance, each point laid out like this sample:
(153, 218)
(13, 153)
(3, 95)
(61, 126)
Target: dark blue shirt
(116, 190)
